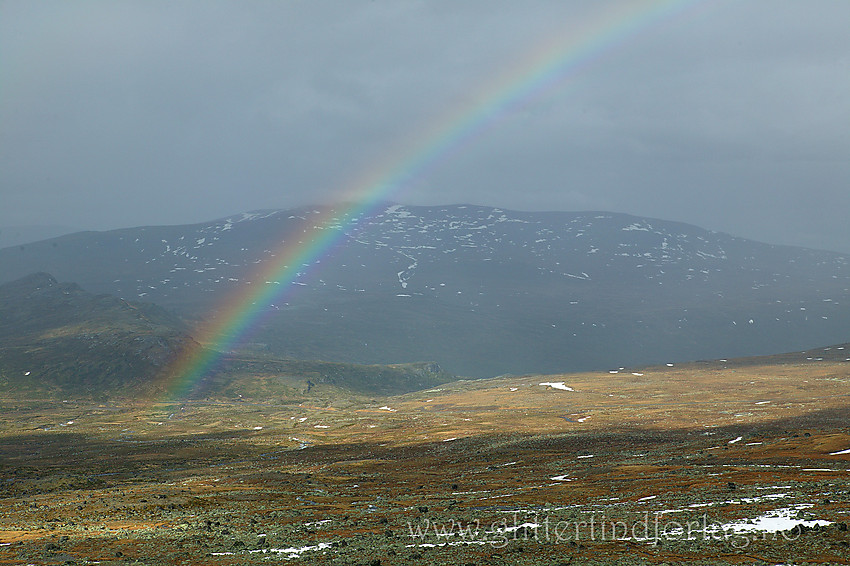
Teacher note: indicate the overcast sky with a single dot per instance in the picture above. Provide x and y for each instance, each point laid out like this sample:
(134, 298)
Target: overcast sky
(734, 116)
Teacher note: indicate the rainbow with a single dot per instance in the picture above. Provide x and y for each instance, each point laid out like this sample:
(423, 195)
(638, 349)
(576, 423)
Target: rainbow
(552, 63)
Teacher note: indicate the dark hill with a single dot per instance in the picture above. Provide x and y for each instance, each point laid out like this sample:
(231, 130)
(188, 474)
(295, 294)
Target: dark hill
(55, 336)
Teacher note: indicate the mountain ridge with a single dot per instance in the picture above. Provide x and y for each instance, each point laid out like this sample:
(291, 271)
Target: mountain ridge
(481, 290)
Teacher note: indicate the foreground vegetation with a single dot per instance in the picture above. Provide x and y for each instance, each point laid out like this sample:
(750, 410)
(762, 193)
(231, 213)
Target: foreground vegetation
(712, 463)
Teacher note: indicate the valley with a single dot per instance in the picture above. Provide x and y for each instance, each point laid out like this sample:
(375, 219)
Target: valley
(560, 283)
(353, 418)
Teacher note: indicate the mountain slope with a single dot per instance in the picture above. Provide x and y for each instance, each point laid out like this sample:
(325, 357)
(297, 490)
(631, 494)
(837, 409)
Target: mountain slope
(19, 235)
(55, 336)
(484, 291)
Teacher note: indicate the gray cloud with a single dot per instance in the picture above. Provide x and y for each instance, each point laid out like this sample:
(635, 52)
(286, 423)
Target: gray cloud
(728, 115)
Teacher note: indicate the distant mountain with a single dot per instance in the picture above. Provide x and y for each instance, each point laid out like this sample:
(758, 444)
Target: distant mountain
(483, 291)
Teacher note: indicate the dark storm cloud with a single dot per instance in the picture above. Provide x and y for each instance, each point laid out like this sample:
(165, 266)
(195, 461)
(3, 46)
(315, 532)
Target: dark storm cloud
(728, 115)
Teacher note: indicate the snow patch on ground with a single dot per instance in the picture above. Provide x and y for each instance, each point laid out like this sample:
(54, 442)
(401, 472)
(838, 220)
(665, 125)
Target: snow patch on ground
(557, 385)
(774, 521)
(291, 552)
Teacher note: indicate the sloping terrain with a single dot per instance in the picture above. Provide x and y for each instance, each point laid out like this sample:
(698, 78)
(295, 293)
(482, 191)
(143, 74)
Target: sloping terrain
(20, 235)
(724, 462)
(482, 291)
(57, 339)
(289, 380)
